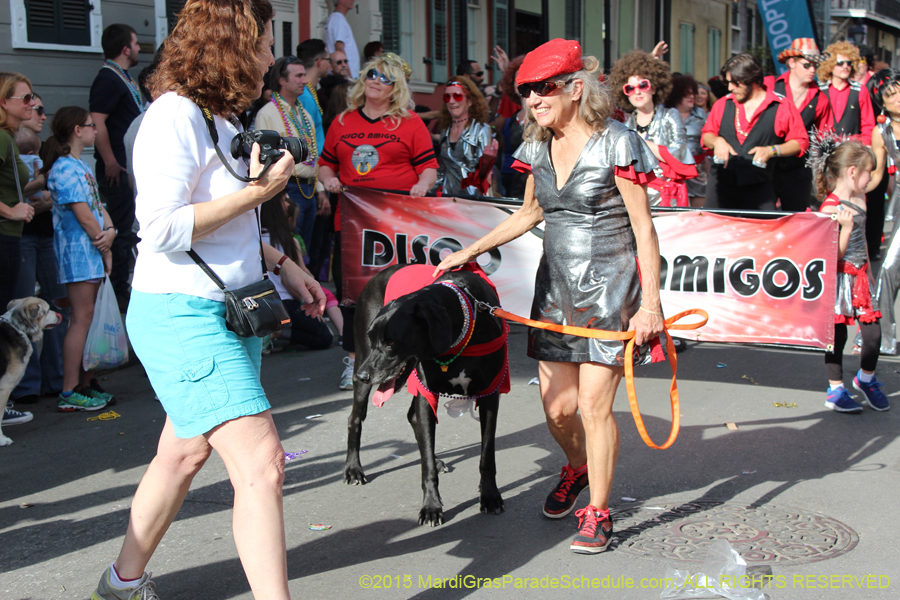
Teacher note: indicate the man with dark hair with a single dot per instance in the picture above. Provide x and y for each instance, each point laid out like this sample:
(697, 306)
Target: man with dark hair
(746, 129)
(473, 71)
(792, 179)
(115, 101)
(286, 115)
(314, 56)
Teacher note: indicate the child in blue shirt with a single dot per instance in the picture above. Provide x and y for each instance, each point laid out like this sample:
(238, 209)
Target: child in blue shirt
(82, 236)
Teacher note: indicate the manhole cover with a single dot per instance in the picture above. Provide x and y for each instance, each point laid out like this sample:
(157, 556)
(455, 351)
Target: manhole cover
(763, 535)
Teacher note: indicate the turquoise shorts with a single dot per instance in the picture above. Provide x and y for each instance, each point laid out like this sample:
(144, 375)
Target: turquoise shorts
(203, 373)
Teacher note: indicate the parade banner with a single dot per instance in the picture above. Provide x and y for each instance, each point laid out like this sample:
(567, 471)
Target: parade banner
(784, 21)
(379, 229)
(762, 281)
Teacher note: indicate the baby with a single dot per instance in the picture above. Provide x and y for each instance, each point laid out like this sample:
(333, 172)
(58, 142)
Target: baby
(29, 145)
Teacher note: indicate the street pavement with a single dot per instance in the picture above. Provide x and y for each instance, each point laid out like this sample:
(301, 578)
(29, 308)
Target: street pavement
(810, 496)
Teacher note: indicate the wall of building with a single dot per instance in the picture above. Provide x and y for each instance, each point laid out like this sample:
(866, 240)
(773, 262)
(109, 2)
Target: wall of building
(702, 15)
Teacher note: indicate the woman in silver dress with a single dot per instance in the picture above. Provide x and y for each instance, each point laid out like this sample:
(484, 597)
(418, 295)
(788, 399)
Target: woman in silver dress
(683, 99)
(465, 138)
(587, 182)
(642, 83)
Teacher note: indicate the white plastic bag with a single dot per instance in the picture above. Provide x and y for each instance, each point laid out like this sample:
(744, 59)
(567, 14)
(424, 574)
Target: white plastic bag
(107, 345)
(722, 575)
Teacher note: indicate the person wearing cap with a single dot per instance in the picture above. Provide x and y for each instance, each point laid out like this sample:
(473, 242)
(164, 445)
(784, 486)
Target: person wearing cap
(376, 143)
(748, 130)
(587, 183)
(851, 105)
(467, 147)
(792, 179)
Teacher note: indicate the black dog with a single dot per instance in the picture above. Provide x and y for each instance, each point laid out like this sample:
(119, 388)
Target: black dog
(415, 331)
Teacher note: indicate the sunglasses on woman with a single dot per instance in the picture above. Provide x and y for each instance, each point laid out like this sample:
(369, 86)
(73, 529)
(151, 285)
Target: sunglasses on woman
(455, 96)
(643, 86)
(373, 74)
(541, 88)
(39, 110)
(26, 99)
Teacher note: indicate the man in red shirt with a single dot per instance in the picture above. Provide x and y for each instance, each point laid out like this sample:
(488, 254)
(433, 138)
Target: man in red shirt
(748, 130)
(851, 104)
(792, 179)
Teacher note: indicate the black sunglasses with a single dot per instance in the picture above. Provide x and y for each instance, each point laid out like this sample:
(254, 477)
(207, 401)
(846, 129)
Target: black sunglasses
(477, 73)
(541, 88)
(843, 63)
(39, 110)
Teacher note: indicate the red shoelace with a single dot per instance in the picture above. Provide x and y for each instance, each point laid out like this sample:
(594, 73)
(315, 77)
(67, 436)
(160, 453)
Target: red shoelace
(587, 521)
(568, 480)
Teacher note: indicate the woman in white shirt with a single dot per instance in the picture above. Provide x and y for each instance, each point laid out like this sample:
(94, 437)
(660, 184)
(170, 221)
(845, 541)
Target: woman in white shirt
(206, 377)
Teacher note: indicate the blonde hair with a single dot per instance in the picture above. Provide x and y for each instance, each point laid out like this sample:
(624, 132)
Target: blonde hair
(8, 83)
(847, 154)
(400, 99)
(844, 48)
(594, 107)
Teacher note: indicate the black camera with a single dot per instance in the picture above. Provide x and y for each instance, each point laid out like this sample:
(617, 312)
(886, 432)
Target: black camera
(271, 146)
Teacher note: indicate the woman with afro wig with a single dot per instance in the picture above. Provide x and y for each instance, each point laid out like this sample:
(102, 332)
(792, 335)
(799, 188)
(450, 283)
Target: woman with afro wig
(641, 84)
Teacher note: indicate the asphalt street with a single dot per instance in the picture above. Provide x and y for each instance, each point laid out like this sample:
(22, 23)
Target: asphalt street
(808, 496)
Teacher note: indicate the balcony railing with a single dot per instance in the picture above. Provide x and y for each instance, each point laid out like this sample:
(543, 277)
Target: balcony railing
(886, 8)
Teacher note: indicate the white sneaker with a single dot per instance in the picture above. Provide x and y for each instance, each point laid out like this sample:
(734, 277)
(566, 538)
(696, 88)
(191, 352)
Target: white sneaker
(347, 375)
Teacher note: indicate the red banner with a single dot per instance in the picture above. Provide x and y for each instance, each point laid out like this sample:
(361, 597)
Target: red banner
(762, 281)
(379, 229)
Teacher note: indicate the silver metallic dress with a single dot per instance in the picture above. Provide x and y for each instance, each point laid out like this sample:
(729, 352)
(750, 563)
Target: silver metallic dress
(666, 129)
(456, 163)
(693, 127)
(889, 273)
(857, 256)
(588, 275)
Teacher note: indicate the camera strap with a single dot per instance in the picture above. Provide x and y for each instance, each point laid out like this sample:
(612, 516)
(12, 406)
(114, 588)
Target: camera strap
(211, 125)
(214, 134)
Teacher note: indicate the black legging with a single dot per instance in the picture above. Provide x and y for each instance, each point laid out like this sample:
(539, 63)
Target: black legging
(868, 360)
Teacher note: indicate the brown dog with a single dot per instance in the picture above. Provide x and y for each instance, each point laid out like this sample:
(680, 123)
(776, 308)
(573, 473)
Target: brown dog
(23, 323)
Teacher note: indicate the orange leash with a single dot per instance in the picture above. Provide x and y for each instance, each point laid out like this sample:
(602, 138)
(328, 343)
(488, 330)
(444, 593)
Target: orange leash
(670, 323)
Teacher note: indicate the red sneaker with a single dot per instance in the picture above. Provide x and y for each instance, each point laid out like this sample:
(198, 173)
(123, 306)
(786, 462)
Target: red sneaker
(562, 499)
(594, 532)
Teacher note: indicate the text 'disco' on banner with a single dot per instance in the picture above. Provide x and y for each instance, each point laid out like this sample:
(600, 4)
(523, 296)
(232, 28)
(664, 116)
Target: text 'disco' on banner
(379, 229)
(761, 281)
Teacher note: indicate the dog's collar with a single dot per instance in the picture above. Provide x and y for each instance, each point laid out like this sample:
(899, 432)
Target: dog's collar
(465, 335)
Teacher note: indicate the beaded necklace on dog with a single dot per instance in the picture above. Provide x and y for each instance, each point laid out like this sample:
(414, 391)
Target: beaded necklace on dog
(468, 325)
(128, 81)
(305, 130)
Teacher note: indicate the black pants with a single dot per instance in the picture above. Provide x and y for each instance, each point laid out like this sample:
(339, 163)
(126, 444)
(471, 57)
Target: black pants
(875, 205)
(10, 259)
(868, 360)
(305, 330)
(722, 192)
(119, 201)
(793, 187)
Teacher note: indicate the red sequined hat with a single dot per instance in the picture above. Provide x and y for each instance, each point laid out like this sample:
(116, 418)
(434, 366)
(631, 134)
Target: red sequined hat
(556, 57)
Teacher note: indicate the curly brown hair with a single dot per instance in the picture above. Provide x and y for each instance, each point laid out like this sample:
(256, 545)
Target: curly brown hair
(640, 64)
(844, 48)
(211, 55)
(478, 108)
(682, 86)
(508, 81)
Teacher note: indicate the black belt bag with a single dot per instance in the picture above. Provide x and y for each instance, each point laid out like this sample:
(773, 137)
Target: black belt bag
(255, 309)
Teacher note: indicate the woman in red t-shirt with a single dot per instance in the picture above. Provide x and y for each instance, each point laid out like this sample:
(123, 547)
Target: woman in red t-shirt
(376, 143)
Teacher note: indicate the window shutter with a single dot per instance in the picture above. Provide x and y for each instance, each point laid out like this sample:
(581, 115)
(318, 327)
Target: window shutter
(58, 22)
(573, 20)
(173, 7)
(390, 25)
(439, 39)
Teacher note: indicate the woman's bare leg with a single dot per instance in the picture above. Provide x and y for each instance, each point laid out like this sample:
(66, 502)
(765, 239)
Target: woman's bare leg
(559, 394)
(82, 295)
(254, 457)
(159, 497)
(597, 386)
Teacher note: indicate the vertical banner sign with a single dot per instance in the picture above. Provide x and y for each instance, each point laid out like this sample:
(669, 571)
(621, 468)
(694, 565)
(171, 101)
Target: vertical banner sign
(379, 229)
(761, 281)
(784, 21)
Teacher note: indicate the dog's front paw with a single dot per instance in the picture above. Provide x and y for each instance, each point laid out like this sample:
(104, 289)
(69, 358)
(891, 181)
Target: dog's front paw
(431, 515)
(492, 504)
(5, 441)
(354, 475)
(441, 466)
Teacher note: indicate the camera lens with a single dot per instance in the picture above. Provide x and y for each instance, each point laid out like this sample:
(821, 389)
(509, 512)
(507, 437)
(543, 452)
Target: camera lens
(296, 148)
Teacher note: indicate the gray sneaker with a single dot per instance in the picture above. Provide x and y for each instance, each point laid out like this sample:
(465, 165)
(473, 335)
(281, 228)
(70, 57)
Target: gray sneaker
(347, 375)
(144, 590)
